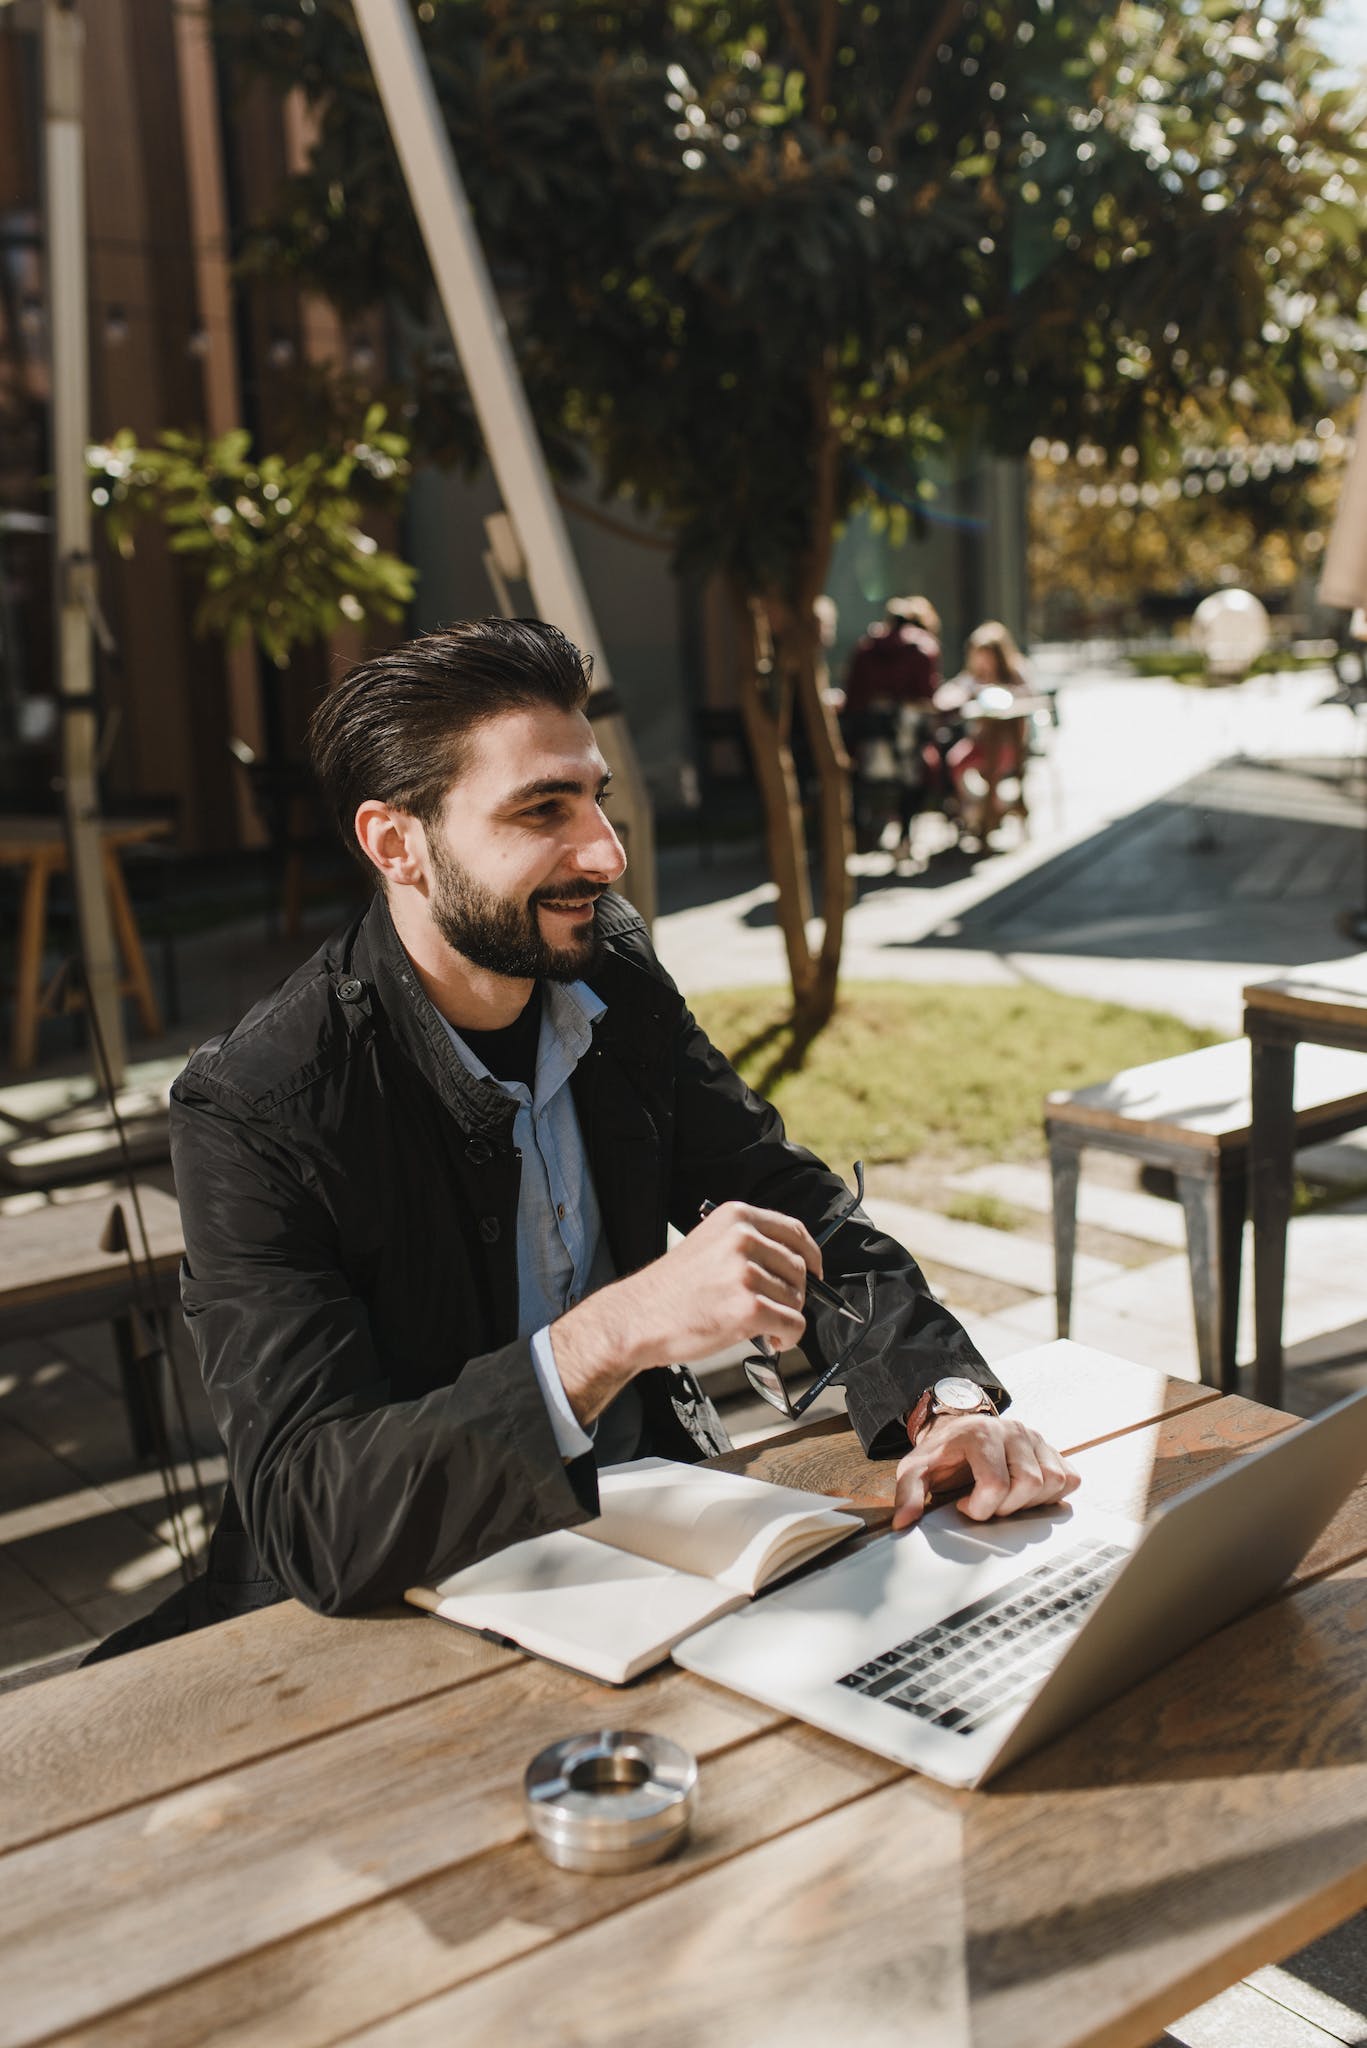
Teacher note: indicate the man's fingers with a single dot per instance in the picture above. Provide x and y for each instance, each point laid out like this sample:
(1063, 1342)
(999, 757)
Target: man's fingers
(985, 1454)
(1007, 1465)
(1058, 1477)
(912, 1496)
(782, 1234)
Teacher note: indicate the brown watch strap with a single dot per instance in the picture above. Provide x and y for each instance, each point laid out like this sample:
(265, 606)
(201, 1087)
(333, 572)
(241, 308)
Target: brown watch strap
(925, 1412)
(921, 1417)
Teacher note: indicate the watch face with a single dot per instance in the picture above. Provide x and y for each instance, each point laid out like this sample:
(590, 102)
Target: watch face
(960, 1397)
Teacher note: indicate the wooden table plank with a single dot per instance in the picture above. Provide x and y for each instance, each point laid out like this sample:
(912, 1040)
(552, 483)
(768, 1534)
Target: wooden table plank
(849, 1930)
(1328, 991)
(1179, 1837)
(142, 1726)
(1073, 1395)
(150, 1895)
(53, 1254)
(1134, 1474)
(1223, 1810)
(465, 1920)
(299, 1893)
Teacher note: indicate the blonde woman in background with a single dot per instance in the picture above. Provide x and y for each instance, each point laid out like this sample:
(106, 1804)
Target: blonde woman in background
(995, 743)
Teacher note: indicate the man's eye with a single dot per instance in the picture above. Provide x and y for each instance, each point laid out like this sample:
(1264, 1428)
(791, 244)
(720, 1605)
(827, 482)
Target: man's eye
(604, 798)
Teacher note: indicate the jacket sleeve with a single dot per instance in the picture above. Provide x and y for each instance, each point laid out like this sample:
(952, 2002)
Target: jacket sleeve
(348, 1495)
(731, 1144)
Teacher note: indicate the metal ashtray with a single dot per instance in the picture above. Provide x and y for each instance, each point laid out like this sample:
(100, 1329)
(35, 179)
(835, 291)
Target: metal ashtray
(613, 1800)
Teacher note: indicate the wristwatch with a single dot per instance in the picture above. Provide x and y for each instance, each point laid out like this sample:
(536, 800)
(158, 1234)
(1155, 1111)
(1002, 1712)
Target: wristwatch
(948, 1397)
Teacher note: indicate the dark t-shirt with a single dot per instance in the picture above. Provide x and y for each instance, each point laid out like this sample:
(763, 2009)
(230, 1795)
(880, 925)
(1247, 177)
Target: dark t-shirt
(510, 1054)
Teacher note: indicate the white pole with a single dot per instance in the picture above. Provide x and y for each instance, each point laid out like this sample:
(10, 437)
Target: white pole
(481, 338)
(63, 48)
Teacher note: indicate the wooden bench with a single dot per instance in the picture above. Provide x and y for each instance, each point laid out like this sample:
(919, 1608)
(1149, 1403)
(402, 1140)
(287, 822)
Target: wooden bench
(55, 1272)
(1191, 1115)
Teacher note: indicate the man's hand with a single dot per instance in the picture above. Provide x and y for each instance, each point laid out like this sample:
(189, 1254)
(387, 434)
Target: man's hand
(741, 1274)
(1009, 1466)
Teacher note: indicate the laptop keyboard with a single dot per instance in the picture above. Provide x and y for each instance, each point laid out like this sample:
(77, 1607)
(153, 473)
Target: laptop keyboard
(967, 1667)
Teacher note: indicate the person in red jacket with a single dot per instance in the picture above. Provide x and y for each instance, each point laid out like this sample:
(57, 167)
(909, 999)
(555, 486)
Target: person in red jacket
(893, 674)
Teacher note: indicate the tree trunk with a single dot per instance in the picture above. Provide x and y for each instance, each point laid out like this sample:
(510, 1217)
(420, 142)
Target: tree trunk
(784, 667)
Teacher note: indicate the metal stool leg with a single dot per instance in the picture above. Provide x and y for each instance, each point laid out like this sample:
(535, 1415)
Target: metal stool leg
(1201, 1196)
(1064, 1162)
(1233, 1209)
(142, 1395)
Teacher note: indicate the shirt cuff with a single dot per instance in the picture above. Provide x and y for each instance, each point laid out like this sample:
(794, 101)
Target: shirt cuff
(572, 1440)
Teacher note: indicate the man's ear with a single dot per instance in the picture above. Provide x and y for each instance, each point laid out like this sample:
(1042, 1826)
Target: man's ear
(394, 842)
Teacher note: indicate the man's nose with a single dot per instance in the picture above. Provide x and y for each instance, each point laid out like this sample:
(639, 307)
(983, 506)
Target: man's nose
(599, 852)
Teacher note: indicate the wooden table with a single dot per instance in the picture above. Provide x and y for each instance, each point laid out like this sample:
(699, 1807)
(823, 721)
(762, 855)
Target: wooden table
(1191, 1114)
(287, 1830)
(1325, 1004)
(38, 846)
(55, 1272)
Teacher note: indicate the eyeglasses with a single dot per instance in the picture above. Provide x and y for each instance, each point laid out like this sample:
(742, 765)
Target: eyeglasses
(762, 1369)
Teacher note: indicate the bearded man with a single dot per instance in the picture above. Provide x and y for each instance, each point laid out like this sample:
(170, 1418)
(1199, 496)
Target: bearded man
(426, 1183)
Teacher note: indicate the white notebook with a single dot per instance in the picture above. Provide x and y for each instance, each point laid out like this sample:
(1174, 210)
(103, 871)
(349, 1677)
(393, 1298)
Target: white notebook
(675, 1546)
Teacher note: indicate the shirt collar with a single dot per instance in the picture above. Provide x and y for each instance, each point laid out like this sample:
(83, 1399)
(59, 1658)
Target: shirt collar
(569, 1011)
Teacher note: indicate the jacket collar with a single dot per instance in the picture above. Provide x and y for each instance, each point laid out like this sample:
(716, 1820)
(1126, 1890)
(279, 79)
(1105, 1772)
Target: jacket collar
(480, 1105)
(632, 1025)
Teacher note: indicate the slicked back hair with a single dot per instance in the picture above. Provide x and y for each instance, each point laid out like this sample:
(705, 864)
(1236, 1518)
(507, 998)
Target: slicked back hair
(399, 727)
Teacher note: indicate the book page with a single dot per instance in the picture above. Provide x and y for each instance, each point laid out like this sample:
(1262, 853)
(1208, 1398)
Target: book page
(598, 1610)
(738, 1531)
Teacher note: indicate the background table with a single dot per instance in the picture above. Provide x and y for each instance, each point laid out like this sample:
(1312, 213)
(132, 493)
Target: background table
(57, 1273)
(38, 846)
(287, 1830)
(1325, 1004)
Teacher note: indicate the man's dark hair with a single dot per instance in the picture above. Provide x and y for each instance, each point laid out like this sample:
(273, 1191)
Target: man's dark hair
(398, 727)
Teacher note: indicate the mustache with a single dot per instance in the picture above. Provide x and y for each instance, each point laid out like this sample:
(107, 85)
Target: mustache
(578, 892)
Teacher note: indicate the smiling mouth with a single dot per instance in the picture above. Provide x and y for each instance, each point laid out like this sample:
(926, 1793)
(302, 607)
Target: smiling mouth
(568, 905)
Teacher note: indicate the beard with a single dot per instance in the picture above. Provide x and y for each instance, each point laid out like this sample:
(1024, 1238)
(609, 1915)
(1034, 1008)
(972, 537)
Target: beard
(502, 935)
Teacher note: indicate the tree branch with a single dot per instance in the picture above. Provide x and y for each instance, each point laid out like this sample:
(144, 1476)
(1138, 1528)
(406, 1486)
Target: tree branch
(791, 21)
(946, 21)
(825, 55)
(611, 525)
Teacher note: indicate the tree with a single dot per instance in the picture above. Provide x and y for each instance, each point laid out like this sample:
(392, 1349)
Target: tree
(277, 538)
(1252, 506)
(761, 258)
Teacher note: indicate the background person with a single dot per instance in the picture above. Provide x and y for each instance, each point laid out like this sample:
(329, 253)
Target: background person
(992, 747)
(893, 675)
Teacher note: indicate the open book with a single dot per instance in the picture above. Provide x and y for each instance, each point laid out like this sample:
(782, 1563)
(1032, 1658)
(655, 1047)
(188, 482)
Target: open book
(675, 1546)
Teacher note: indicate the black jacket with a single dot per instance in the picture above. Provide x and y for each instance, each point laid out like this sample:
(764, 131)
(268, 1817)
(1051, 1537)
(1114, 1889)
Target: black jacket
(349, 1198)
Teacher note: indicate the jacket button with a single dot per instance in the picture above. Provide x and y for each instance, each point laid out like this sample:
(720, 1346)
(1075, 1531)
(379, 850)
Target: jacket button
(351, 990)
(479, 1151)
(490, 1229)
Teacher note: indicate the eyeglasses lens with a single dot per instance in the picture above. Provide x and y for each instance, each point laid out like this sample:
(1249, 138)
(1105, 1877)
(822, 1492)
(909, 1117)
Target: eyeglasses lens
(767, 1382)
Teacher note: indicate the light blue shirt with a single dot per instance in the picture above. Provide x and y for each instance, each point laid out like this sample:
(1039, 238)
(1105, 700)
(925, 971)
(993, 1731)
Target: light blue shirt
(561, 1253)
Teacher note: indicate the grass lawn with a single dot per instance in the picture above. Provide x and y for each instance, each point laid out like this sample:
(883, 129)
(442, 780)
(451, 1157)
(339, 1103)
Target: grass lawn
(907, 1070)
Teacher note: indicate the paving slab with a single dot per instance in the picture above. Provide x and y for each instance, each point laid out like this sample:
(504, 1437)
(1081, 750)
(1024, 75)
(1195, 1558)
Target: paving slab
(1244, 2017)
(77, 1561)
(21, 1596)
(1126, 1211)
(1171, 1345)
(41, 1639)
(1325, 1983)
(996, 1337)
(1026, 1262)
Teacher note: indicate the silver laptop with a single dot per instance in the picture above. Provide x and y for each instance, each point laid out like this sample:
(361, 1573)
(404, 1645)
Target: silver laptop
(955, 1647)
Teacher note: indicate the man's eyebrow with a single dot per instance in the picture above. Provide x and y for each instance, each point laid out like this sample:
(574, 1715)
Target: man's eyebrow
(556, 785)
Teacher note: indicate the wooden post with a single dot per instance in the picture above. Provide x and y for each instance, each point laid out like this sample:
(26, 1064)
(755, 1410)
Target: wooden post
(63, 40)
